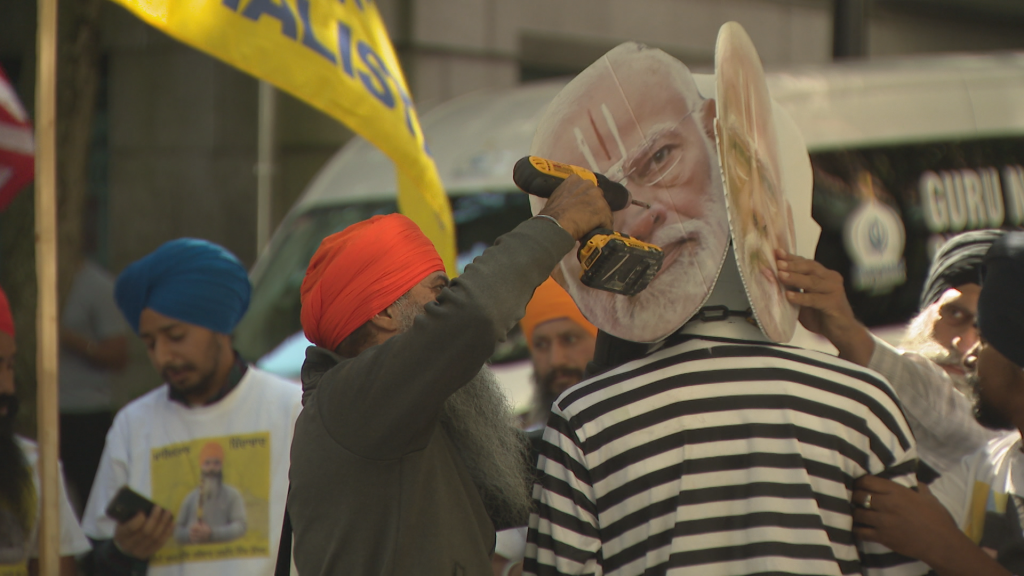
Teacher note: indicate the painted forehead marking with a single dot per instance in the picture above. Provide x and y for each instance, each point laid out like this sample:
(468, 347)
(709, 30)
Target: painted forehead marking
(613, 129)
(597, 132)
(584, 148)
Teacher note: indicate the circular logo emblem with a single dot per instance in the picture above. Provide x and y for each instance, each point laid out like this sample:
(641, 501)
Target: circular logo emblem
(874, 237)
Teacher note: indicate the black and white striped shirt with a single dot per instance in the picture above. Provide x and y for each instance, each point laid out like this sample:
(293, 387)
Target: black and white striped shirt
(717, 456)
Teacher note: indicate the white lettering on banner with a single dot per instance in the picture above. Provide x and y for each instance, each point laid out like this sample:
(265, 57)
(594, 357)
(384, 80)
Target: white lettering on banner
(1013, 185)
(992, 192)
(972, 199)
(954, 183)
(933, 196)
(969, 199)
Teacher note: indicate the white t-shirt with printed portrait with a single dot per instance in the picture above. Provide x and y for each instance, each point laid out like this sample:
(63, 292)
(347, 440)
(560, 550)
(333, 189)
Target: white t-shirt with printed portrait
(156, 445)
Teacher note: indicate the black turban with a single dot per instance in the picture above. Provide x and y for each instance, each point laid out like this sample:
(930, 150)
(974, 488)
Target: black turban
(1001, 305)
(958, 262)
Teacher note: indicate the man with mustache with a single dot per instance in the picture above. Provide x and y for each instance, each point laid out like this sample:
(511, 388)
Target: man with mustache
(406, 458)
(561, 343)
(983, 491)
(930, 362)
(19, 480)
(184, 300)
(944, 330)
(213, 512)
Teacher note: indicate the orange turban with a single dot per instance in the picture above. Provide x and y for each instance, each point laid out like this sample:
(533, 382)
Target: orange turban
(211, 450)
(358, 272)
(551, 302)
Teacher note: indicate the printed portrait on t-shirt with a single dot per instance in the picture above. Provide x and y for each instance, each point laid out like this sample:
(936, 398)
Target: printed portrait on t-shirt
(219, 490)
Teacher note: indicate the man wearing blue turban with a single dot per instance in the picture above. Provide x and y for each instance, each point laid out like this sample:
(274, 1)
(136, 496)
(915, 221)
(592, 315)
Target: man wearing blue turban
(184, 301)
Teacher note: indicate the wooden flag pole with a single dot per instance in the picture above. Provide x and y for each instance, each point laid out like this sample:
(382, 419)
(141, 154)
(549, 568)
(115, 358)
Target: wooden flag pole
(46, 278)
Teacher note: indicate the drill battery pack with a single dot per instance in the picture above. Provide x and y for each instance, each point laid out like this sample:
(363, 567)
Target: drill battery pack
(618, 263)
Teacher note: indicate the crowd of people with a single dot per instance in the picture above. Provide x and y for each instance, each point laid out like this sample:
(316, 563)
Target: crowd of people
(711, 450)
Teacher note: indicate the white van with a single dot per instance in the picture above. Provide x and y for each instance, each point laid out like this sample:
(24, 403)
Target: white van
(939, 141)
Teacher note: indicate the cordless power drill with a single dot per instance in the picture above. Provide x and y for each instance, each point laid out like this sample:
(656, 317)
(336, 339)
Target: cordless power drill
(611, 261)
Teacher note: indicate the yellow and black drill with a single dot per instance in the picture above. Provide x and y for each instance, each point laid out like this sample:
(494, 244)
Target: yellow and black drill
(611, 261)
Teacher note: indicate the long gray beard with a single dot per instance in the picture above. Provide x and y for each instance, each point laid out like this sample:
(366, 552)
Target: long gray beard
(478, 420)
(210, 485)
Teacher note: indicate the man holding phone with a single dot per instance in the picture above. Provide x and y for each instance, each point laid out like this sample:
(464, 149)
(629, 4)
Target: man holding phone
(184, 300)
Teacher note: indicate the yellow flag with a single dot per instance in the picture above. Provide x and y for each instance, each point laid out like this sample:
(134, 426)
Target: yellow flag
(335, 55)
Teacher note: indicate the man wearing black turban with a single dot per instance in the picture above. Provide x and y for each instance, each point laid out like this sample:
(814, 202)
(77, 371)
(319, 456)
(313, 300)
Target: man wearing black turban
(928, 371)
(985, 491)
(944, 330)
(184, 301)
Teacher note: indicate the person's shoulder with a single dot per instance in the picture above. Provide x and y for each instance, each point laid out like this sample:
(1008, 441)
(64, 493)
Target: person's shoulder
(837, 364)
(231, 491)
(996, 456)
(97, 275)
(191, 498)
(145, 406)
(1002, 447)
(29, 448)
(273, 384)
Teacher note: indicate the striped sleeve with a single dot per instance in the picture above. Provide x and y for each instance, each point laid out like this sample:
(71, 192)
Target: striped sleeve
(877, 560)
(563, 536)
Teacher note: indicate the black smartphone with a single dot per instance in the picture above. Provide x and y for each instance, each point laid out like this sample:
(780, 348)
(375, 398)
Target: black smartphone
(127, 503)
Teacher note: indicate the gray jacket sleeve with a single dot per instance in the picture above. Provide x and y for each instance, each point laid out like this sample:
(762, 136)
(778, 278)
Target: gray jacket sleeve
(384, 403)
(941, 418)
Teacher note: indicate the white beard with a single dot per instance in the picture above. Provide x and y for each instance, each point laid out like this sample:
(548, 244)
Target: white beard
(209, 487)
(676, 293)
(918, 339)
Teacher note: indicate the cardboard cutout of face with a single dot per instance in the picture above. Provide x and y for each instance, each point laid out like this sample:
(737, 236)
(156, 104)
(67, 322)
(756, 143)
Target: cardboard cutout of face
(637, 117)
(760, 215)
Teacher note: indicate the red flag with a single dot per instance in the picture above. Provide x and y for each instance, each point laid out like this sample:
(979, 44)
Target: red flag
(17, 158)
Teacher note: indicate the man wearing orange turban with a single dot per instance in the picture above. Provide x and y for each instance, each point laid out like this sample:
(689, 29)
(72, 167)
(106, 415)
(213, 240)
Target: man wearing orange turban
(406, 458)
(561, 343)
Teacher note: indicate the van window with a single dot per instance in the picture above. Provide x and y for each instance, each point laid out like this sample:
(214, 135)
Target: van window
(885, 210)
(274, 310)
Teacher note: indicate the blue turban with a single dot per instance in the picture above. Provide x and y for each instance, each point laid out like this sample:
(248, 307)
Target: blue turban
(191, 280)
(1000, 307)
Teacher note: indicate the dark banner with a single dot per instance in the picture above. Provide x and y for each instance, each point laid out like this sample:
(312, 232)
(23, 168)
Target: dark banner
(884, 211)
